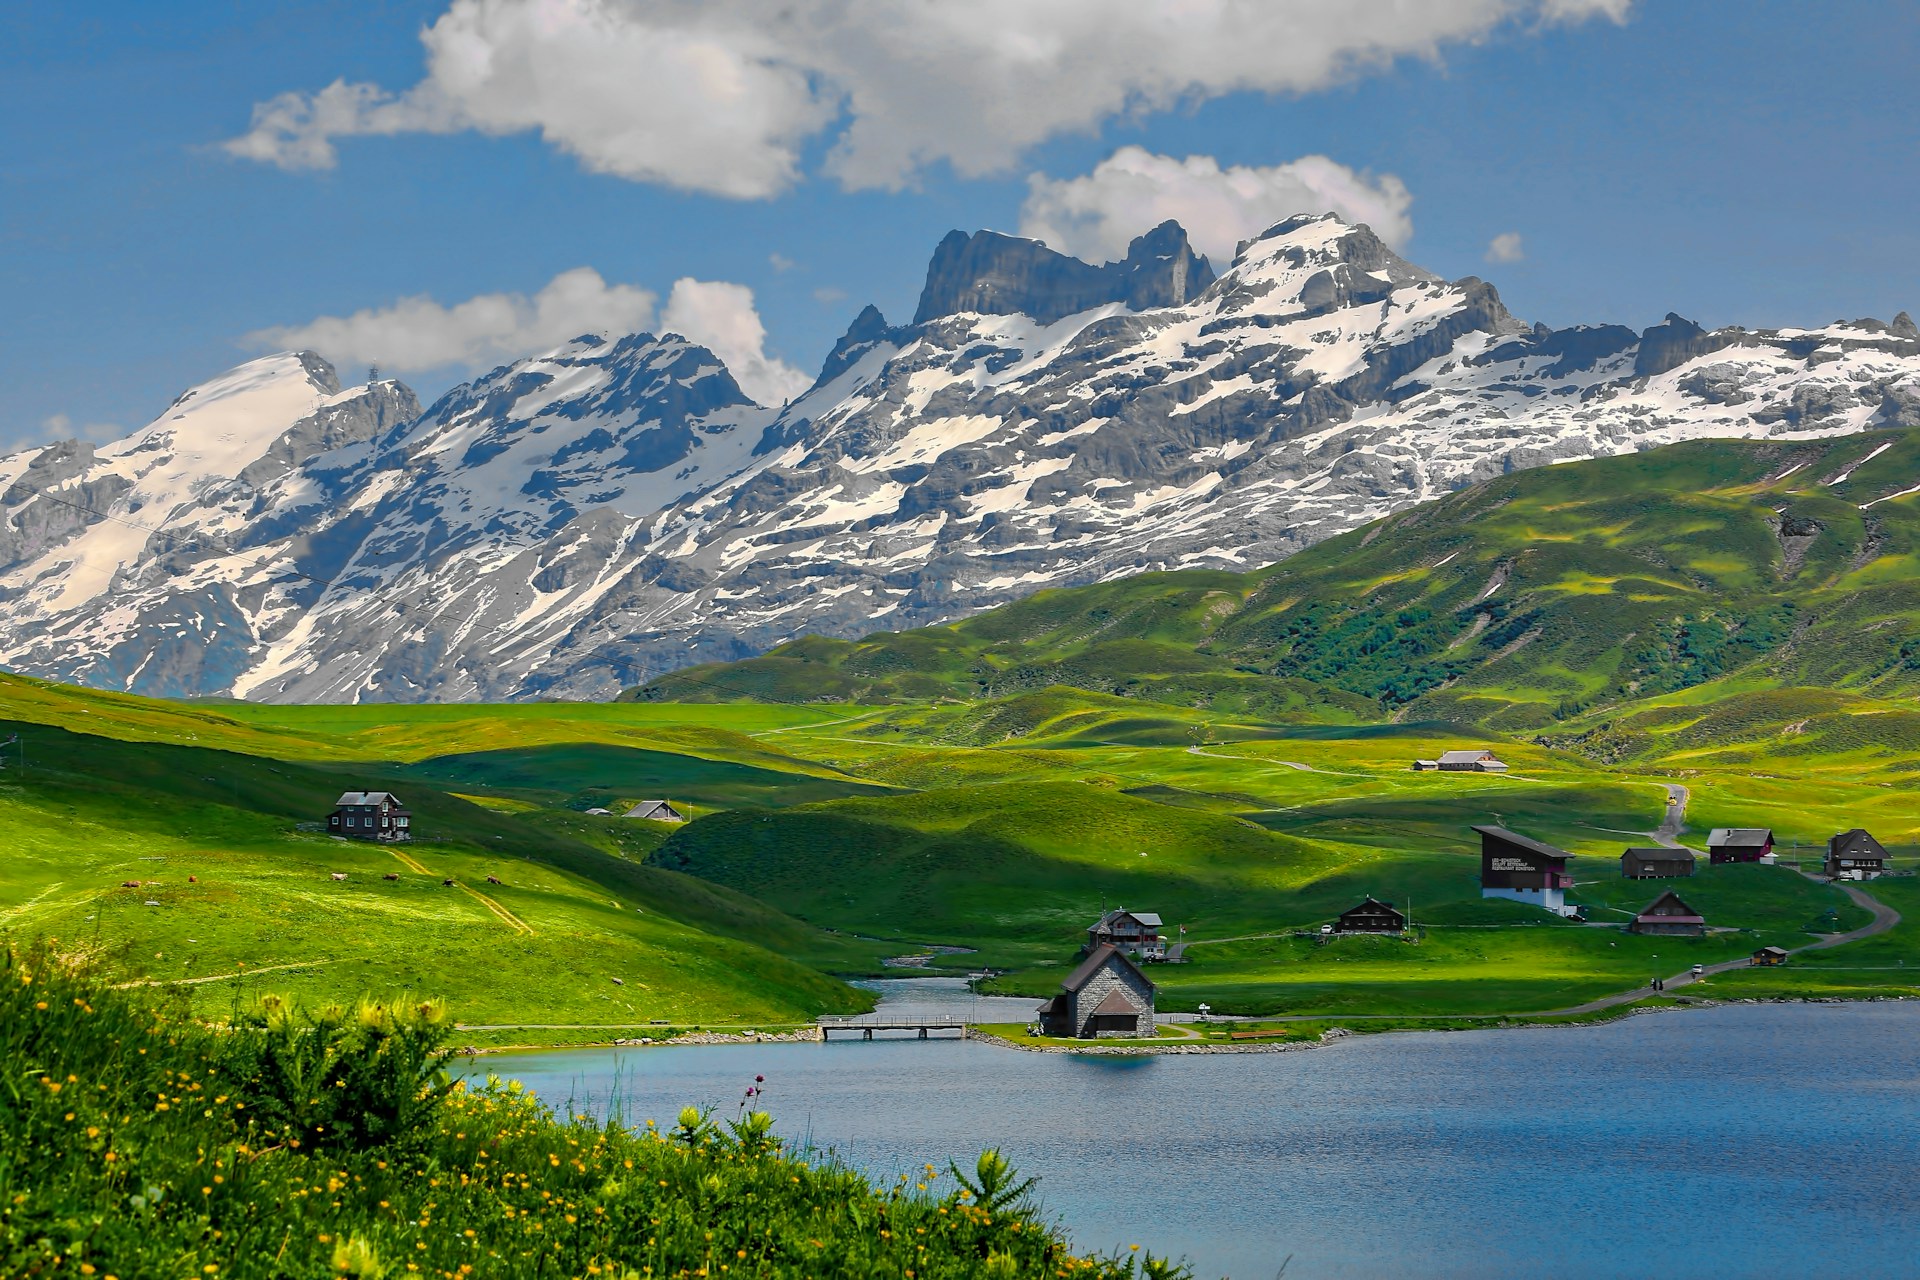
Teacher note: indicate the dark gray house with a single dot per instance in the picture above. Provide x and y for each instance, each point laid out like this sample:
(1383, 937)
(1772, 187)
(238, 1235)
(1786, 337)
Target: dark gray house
(1855, 855)
(1371, 916)
(656, 811)
(1739, 844)
(1667, 914)
(1106, 996)
(370, 815)
(1649, 863)
(1135, 932)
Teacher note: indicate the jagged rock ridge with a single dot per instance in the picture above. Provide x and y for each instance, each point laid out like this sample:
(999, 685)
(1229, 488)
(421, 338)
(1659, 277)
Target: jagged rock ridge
(584, 519)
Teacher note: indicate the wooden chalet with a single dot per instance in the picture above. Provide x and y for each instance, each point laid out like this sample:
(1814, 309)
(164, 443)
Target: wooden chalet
(1371, 916)
(1668, 915)
(1524, 870)
(1470, 760)
(1134, 933)
(656, 811)
(1855, 855)
(1425, 766)
(1770, 956)
(1647, 863)
(1738, 844)
(1106, 996)
(371, 815)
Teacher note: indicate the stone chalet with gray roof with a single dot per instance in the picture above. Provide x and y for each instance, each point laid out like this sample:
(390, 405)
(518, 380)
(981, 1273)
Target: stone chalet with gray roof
(1106, 996)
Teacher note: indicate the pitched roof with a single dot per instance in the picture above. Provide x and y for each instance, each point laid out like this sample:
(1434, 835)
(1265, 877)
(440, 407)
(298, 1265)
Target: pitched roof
(1670, 899)
(1661, 853)
(1116, 1002)
(1147, 918)
(1465, 755)
(1096, 961)
(1514, 837)
(1370, 901)
(1740, 837)
(1771, 951)
(1857, 841)
(647, 808)
(365, 797)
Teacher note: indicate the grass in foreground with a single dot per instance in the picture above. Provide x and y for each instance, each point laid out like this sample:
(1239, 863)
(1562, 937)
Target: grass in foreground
(134, 1142)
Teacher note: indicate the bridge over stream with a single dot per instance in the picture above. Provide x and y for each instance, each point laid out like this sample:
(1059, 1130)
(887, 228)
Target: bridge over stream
(867, 1025)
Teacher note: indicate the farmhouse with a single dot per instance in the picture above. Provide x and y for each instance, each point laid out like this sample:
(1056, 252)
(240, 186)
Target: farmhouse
(1371, 916)
(1855, 855)
(370, 815)
(1106, 996)
(1135, 933)
(1513, 866)
(656, 811)
(1770, 956)
(1738, 844)
(1656, 864)
(1667, 914)
(1425, 766)
(1470, 760)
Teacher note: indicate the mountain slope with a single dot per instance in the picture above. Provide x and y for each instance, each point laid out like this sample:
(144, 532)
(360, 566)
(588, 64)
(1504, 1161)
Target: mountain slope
(586, 519)
(1518, 603)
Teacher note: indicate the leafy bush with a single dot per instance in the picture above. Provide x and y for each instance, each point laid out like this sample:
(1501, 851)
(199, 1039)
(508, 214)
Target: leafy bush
(136, 1143)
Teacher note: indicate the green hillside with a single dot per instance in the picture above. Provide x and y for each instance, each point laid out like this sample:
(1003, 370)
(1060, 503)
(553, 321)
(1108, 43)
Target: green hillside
(1784, 569)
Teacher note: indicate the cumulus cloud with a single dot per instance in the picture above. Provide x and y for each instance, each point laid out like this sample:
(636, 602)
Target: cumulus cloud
(1506, 247)
(416, 334)
(1095, 216)
(723, 95)
(722, 318)
(61, 426)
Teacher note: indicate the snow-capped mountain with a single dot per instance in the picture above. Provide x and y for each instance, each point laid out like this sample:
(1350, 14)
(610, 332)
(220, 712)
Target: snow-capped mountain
(582, 520)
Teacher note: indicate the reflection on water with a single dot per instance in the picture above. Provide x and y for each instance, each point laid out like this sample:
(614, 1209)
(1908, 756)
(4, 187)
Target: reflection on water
(1751, 1140)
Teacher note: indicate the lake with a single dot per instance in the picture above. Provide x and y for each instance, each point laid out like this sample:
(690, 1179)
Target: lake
(1751, 1140)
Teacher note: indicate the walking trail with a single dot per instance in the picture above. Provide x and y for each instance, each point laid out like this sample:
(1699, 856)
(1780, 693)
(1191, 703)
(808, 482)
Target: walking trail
(506, 917)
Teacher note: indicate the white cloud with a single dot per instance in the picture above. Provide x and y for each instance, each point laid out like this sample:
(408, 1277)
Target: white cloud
(722, 95)
(417, 334)
(1506, 247)
(1132, 190)
(722, 318)
(61, 426)
(781, 262)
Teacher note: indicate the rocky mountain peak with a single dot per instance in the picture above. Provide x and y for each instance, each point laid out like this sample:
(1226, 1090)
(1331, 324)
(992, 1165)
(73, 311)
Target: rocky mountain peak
(989, 273)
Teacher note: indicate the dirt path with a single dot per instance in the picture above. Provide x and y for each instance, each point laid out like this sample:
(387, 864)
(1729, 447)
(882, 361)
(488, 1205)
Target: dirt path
(222, 977)
(1676, 820)
(505, 916)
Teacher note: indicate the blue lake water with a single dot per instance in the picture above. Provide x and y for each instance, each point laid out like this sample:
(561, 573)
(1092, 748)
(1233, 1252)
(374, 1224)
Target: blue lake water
(1767, 1140)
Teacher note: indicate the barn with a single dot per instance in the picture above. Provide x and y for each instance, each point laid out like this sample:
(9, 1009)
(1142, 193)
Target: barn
(1656, 863)
(1738, 844)
(1524, 870)
(1668, 915)
(371, 815)
(1106, 996)
(1855, 855)
(1769, 956)
(656, 811)
(1471, 760)
(1371, 916)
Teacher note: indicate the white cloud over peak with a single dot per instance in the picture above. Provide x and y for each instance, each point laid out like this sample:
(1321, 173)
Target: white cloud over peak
(417, 334)
(1506, 247)
(721, 96)
(722, 318)
(1094, 216)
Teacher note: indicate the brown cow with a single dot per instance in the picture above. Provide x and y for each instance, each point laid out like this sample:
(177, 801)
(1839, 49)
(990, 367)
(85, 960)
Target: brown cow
(129, 884)
(391, 875)
(493, 879)
(447, 884)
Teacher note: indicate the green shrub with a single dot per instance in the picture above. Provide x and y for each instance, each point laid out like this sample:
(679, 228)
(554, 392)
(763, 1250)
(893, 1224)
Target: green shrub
(136, 1143)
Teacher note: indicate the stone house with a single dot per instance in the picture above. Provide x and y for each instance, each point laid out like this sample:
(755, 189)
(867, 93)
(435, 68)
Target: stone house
(1106, 996)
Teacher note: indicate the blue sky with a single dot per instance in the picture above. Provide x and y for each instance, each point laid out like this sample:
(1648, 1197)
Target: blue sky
(1749, 163)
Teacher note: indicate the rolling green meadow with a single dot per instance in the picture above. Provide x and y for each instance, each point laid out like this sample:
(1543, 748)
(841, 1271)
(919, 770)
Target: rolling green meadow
(1231, 751)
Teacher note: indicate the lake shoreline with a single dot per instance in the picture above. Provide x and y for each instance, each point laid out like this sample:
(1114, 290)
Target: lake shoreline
(810, 1035)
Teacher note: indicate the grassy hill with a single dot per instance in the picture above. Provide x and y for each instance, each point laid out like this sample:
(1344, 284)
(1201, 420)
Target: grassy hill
(234, 880)
(1781, 572)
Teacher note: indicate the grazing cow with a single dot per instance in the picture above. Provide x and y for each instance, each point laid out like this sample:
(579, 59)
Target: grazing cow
(447, 884)
(129, 884)
(193, 879)
(339, 875)
(391, 875)
(619, 982)
(493, 879)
